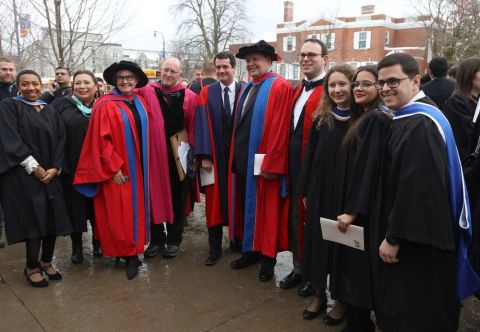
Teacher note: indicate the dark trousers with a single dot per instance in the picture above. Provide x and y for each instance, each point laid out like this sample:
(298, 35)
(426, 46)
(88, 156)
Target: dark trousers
(215, 236)
(77, 236)
(33, 250)
(293, 232)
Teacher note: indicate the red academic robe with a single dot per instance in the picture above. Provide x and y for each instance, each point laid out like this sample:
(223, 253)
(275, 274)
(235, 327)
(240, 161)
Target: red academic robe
(112, 144)
(160, 192)
(259, 225)
(310, 108)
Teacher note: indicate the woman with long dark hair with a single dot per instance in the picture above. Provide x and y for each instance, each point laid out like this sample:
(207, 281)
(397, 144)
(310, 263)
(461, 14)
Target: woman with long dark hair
(75, 111)
(321, 183)
(364, 142)
(32, 144)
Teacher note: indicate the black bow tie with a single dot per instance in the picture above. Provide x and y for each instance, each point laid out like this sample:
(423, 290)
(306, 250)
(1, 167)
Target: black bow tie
(310, 84)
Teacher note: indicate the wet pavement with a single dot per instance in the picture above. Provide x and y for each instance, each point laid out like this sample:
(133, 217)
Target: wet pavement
(180, 294)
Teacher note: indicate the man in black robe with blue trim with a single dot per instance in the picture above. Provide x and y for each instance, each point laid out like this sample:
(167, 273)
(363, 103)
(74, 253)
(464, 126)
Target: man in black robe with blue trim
(419, 237)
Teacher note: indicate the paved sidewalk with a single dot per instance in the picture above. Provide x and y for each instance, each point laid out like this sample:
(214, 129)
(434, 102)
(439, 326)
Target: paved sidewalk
(180, 294)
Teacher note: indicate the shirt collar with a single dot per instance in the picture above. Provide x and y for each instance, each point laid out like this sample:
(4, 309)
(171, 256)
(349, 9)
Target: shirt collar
(319, 77)
(231, 87)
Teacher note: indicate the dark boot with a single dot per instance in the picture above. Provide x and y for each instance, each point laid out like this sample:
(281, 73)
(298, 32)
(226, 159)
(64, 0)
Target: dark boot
(97, 250)
(77, 248)
(215, 252)
(132, 266)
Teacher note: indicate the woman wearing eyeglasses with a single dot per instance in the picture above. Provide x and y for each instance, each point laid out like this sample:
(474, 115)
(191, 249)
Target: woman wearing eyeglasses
(75, 113)
(113, 166)
(350, 282)
(321, 183)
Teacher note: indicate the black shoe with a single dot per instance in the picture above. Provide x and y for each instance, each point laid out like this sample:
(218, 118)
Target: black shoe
(132, 266)
(171, 251)
(153, 250)
(244, 261)
(213, 257)
(308, 315)
(306, 289)
(97, 250)
(37, 284)
(290, 281)
(329, 320)
(54, 276)
(77, 254)
(266, 273)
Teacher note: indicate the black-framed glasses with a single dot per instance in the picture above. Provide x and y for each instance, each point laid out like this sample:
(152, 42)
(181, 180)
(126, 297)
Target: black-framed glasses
(309, 55)
(392, 82)
(363, 84)
(128, 78)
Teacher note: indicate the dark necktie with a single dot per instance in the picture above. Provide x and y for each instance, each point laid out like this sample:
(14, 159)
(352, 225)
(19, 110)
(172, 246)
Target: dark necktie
(226, 104)
(310, 84)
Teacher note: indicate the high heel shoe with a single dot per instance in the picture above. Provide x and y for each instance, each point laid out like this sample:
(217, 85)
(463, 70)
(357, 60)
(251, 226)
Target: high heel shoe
(132, 266)
(52, 276)
(37, 284)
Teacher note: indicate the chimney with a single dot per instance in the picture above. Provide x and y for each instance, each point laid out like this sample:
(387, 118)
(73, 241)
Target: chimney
(368, 10)
(288, 11)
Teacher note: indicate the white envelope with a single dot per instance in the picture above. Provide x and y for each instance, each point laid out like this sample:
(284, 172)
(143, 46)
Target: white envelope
(353, 237)
(206, 178)
(257, 166)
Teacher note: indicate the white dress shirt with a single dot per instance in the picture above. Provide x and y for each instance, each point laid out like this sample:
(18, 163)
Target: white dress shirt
(231, 94)
(302, 100)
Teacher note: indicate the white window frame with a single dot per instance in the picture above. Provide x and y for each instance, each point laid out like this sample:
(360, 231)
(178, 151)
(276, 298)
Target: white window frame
(314, 36)
(289, 43)
(387, 38)
(363, 37)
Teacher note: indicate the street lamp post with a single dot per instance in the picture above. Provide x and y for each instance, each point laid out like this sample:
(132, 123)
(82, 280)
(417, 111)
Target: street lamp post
(163, 42)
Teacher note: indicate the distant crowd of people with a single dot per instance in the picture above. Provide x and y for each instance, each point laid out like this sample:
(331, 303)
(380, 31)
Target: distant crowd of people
(370, 147)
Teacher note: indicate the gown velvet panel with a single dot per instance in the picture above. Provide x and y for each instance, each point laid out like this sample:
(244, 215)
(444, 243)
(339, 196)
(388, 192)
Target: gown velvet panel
(32, 209)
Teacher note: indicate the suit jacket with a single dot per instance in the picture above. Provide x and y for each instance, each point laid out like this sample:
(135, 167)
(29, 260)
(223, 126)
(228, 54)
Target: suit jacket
(6, 93)
(439, 89)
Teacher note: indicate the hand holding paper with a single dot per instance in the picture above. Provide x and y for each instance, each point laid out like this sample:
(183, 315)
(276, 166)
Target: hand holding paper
(353, 237)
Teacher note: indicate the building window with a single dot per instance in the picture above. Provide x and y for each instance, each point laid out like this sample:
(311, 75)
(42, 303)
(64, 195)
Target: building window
(314, 36)
(328, 39)
(296, 72)
(331, 64)
(354, 64)
(361, 40)
(289, 44)
(387, 38)
(281, 69)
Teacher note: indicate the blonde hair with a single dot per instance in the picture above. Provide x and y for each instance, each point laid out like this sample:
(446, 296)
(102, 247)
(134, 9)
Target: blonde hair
(323, 114)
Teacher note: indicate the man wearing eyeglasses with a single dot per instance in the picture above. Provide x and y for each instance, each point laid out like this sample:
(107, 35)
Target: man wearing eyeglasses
(172, 109)
(312, 58)
(419, 239)
(261, 127)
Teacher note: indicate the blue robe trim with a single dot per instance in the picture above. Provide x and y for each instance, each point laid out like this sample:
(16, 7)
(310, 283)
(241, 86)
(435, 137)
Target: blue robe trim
(256, 133)
(145, 162)
(467, 280)
(87, 189)
(131, 152)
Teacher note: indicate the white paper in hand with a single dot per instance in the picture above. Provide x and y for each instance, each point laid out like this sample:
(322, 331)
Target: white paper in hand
(353, 237)
(206, 178)
(257, 166)
(182, 155)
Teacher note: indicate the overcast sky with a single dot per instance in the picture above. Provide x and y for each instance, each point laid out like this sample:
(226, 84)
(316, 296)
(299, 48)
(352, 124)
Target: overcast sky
(154, 15)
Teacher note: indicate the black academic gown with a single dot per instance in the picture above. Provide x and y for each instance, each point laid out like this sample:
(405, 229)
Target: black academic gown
(459, 110)
(412, 208)
(321, 181)
(80, 208)
(350, 281)
(32, 209)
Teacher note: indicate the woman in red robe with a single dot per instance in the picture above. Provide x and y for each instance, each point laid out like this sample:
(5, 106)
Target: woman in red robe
(113, 166)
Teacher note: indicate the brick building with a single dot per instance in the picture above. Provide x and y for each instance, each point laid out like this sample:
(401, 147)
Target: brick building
(358, 40)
